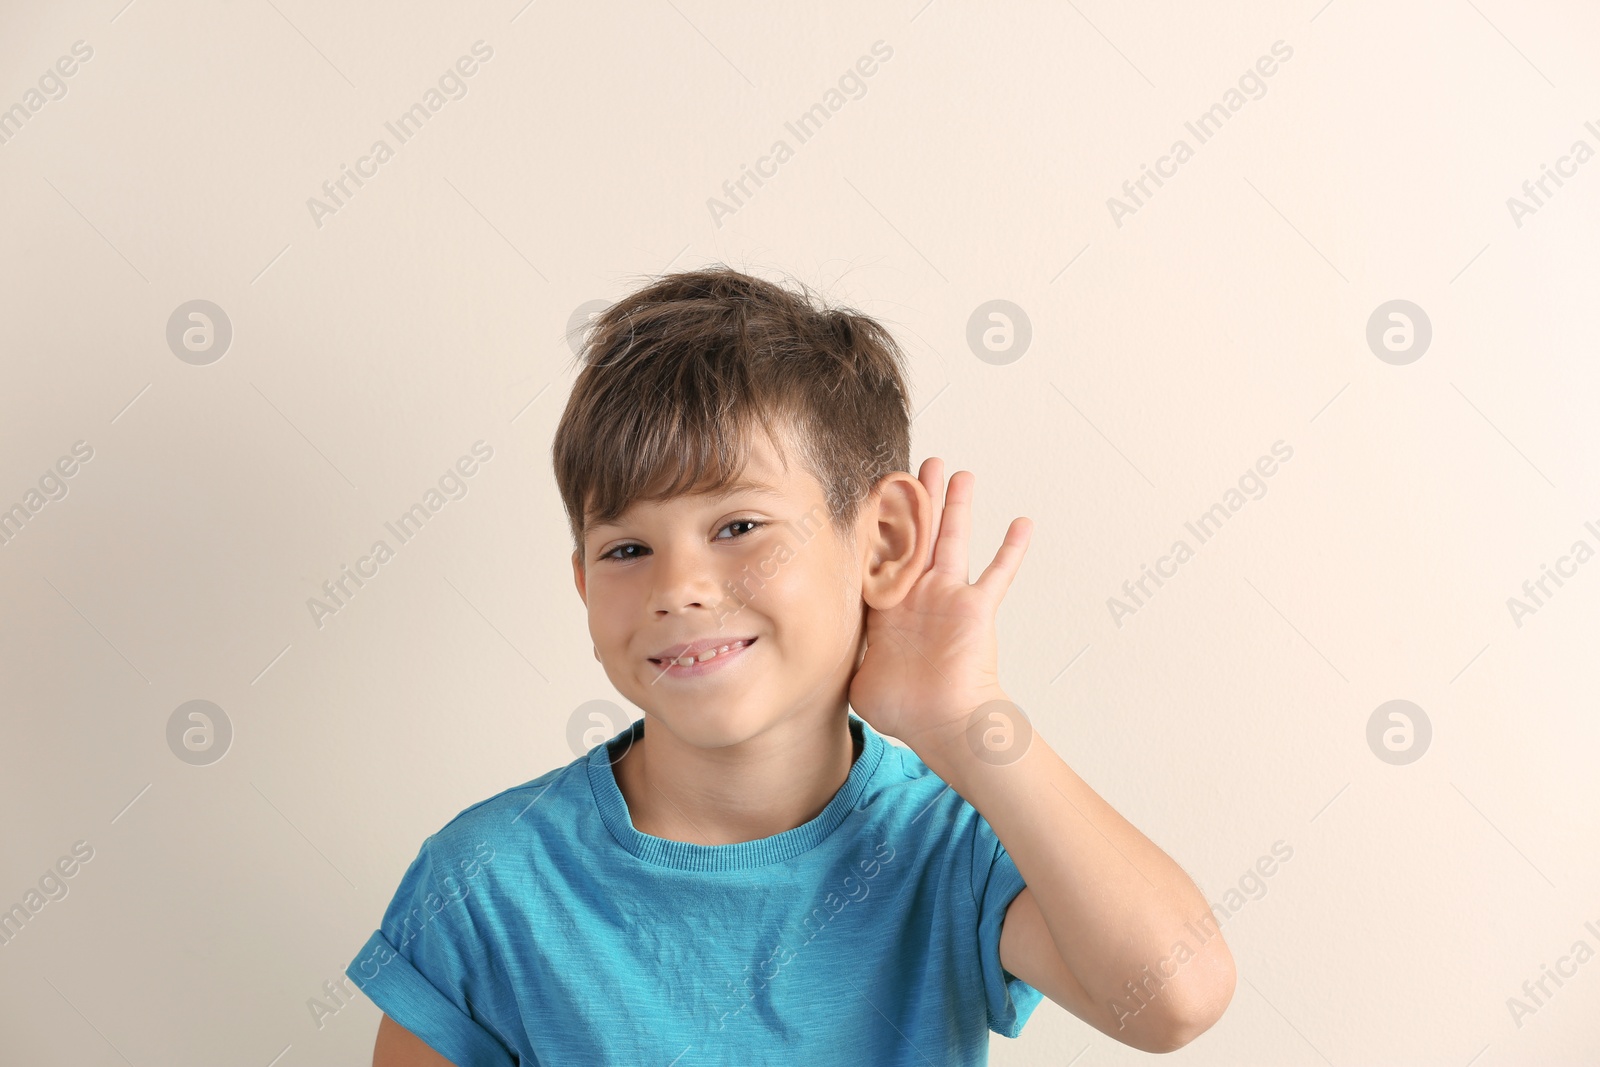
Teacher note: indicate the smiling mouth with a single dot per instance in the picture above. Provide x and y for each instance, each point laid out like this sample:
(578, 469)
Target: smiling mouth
(710, 653)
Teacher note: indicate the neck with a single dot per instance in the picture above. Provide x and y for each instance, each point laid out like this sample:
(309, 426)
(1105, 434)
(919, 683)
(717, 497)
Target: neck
(762, 786)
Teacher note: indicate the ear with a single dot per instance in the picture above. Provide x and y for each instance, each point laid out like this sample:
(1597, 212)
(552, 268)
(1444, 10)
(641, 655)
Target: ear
(896, 537)
(579, 578)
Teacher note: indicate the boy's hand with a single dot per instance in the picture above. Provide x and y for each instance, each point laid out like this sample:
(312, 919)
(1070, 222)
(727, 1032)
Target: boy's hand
(932, 659)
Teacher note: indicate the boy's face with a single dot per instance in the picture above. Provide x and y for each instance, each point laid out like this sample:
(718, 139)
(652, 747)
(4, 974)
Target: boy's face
(765, 567)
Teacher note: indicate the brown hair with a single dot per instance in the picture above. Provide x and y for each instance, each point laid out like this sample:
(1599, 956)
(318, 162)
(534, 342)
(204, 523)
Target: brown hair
(679, 372)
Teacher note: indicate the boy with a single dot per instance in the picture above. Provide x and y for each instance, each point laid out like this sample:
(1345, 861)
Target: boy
(751, 873)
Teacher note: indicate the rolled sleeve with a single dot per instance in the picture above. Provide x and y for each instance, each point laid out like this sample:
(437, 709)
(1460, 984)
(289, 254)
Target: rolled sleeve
(995, 884)
(419, 965)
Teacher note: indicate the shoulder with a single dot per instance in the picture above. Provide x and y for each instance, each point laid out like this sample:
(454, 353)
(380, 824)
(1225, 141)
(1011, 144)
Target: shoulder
(916, 806)
(907, 795)
(505, 840)
(903, 781)
(515, 814)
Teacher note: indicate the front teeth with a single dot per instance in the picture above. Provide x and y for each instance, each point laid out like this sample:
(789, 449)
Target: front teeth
(690, 661)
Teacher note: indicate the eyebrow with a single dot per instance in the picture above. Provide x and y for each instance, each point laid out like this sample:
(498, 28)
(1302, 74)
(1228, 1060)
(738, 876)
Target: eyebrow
(758, 488)
(741, 486)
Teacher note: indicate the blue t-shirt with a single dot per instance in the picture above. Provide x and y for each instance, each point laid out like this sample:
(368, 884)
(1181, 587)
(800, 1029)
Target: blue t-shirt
(540, 927)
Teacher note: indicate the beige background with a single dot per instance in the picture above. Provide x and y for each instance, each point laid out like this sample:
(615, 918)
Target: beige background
(1230, 712)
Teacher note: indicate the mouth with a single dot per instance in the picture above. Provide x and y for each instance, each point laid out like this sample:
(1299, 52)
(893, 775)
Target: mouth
(708, 659)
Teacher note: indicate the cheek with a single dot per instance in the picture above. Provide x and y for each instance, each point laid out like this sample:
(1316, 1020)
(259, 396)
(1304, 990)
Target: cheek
(815, 586)
(608, 607)
(778, 584)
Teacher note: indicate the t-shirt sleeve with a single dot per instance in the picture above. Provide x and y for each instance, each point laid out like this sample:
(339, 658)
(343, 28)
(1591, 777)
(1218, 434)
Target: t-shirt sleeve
(425, 962)
(995, 884)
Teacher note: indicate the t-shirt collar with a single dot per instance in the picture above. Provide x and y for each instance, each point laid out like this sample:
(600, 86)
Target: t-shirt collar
(688, 856)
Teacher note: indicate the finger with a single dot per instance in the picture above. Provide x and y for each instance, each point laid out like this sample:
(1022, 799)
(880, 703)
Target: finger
(996, 577)
(950, 551)
(932, 476)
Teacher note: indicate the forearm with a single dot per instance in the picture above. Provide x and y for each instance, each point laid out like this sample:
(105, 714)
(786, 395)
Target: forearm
(1116, 905)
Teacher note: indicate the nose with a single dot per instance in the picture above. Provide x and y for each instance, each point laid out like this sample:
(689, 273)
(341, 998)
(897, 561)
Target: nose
(683, 579)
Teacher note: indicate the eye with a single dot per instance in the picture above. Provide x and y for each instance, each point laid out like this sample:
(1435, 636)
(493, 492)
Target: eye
(754, 524)
(613, 553)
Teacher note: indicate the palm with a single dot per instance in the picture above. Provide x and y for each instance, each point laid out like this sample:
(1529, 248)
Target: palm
(933, 657)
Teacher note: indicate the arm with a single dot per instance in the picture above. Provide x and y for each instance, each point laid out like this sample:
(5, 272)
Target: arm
(399, 1047)
(1098, 928)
